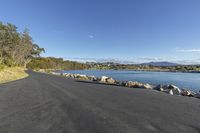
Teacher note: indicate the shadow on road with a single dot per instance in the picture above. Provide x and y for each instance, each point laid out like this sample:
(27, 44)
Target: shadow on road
(93, 82)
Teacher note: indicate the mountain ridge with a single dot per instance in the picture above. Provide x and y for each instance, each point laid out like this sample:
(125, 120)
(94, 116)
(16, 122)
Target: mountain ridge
(162, 63)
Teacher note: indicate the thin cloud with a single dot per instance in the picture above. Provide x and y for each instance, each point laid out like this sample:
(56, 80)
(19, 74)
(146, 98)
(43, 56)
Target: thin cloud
(189, 50)
(91, 36)
(150, 58)
(188, 62)
(134, 61)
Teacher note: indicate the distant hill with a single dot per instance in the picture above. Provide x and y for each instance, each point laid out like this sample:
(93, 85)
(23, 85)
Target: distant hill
(159, 64)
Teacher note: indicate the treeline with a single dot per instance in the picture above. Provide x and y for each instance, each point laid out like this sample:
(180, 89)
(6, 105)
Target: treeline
(16, 49)
(113, 66)
(184, 68)
(55, 63)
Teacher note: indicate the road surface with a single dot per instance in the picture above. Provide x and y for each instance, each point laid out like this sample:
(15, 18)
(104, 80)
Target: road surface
(45, 103)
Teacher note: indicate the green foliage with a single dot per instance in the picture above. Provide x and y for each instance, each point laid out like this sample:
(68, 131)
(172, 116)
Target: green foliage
(2, 67)
(16, 49)
(55, 63)
(180, 68)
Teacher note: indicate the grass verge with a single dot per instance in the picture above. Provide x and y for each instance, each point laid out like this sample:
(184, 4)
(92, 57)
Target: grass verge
(8, 74)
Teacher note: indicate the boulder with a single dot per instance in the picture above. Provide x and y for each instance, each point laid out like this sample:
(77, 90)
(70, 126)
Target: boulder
(168, 91)
(121, 83)
(147, 86)
(165, 87)
(92, 78)
(175, 89)
(82, 77)
(187, 92)
(98, 79)
(110, 81)
(76, 75)
(72, 76)
(159, 88)
(130, 84)
(103, 79)
(135, 84)
(67, 75)
(171, 92)
(95, 79)
(55, 73)
(172, 89)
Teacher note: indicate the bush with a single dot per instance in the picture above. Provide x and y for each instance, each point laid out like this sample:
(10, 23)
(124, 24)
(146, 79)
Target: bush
(37, 69)
(2, 66)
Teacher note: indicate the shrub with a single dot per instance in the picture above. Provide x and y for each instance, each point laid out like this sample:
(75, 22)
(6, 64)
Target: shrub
(2, 66)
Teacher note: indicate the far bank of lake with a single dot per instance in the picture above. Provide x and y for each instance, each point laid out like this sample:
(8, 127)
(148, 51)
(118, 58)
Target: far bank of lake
(184, 80)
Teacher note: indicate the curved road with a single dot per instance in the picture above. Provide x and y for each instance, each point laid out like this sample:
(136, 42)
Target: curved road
(45, 103)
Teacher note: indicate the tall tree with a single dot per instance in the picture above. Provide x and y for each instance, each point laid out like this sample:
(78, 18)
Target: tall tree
(16, 48)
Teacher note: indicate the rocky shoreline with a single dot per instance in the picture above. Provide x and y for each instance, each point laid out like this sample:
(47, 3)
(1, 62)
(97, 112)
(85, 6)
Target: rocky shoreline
(169, 89)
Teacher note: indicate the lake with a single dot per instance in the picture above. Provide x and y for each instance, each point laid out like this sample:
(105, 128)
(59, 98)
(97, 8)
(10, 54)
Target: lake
(183, 80)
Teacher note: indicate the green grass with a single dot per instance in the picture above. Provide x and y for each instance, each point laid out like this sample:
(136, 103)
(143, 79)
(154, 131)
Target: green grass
(8, 74)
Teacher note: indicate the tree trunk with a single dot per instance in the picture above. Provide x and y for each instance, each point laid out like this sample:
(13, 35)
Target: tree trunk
(26, 62)
(1, 58)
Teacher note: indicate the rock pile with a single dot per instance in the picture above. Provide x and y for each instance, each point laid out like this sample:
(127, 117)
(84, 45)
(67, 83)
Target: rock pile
(169, 89)
(174, 90)
(108, 80)
(135, 84)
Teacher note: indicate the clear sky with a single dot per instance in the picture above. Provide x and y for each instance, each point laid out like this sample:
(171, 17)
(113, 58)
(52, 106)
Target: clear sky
(129, 30)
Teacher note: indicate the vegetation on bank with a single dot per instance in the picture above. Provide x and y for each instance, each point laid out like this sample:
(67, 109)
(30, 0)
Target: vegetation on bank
(12, 73)
(16, 51)
(113, 66)
(51, 63)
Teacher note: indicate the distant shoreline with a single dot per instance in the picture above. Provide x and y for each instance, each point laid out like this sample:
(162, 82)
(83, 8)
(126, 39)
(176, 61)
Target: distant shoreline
(141, 70)
(158, 71)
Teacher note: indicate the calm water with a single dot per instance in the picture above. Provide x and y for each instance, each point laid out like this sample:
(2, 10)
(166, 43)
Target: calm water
(186, 80)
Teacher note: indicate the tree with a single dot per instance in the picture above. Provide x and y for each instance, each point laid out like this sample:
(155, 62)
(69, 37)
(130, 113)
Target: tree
(16, 48)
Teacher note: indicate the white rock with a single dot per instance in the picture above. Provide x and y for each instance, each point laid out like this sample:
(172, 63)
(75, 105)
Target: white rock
(171, 92)
(84, 76)
(174, 89)
(67, 75)
(110, 81)
(103, 78)
(147, 86)
(55, 73)
(92, 78)
(168, 91)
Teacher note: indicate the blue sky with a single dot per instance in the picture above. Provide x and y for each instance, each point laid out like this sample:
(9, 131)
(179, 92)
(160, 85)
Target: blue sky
(128, 30)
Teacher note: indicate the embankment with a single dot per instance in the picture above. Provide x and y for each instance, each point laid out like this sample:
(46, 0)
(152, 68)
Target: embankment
(12, 73)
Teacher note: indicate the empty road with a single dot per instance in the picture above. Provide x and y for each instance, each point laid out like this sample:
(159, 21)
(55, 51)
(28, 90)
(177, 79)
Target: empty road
(45, 103)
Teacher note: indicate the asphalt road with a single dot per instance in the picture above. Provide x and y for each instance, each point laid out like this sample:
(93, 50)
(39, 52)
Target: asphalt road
(45, 103)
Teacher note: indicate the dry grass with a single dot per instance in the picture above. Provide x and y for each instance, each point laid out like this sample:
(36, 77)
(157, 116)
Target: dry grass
(11, 74)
